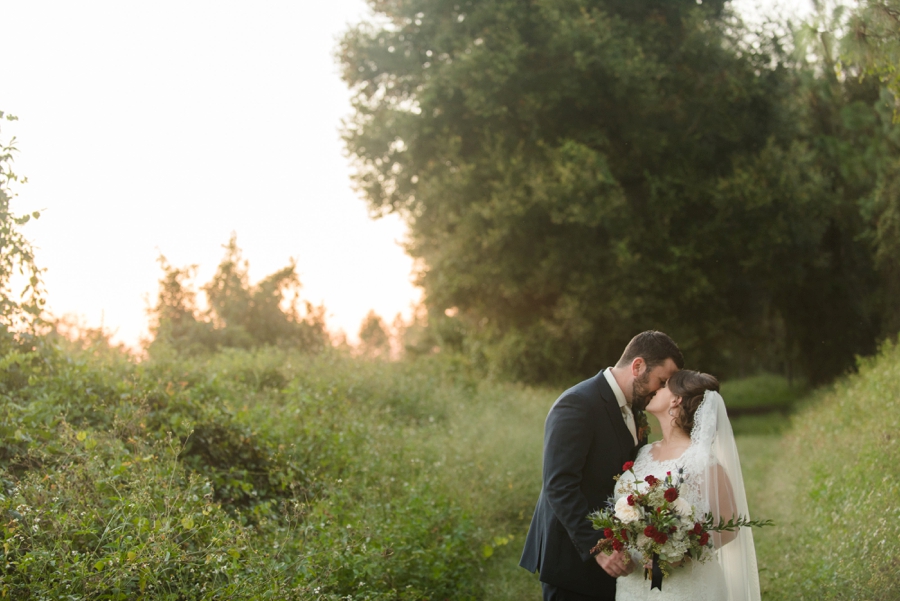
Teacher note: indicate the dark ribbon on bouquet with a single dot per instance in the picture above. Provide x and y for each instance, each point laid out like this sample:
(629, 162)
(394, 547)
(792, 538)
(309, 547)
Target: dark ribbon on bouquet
(656, 581)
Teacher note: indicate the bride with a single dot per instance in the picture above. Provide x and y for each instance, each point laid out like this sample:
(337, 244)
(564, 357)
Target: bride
(697, 437)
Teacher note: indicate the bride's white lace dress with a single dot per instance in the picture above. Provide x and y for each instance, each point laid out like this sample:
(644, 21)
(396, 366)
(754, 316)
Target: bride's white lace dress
(694, 581)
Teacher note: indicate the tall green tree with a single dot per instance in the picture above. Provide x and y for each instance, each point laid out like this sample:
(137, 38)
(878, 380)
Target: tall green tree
(574, 171)
(871, 49)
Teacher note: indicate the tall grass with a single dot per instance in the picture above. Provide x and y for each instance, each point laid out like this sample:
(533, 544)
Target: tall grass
(832, 485)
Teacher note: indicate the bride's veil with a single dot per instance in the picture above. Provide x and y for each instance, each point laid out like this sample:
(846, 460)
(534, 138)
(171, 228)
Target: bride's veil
(723, 486)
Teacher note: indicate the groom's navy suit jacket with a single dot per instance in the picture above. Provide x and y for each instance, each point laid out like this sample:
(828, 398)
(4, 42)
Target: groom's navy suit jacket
(586, 442)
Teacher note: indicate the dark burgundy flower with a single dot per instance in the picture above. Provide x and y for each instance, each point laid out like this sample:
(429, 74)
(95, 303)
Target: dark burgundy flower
(628, 465)
(607, 532)
(630, 499)
(624, 534)
(704, 538)
(650, 531)
(651, 480)
(617, 545)
(661, 538)
(671, 494)
(698, 528)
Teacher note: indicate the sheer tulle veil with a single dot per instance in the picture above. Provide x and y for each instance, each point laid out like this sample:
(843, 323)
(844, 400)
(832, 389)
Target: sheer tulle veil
(723, 484)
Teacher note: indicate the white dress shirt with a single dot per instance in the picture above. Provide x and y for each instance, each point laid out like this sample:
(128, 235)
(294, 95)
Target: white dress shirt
(627, 415)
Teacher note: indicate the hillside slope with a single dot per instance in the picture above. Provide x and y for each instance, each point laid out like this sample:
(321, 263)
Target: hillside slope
(833, 489)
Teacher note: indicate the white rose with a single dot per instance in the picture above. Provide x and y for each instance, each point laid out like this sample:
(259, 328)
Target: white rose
(625, 512)
(682, 507)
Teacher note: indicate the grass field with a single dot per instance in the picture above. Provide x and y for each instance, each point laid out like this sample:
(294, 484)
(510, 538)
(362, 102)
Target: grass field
(274, 475)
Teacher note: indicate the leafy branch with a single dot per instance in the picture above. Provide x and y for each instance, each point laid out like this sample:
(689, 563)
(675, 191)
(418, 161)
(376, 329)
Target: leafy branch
(733, 524)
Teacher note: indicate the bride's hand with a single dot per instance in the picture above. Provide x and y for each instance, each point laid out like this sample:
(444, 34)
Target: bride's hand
(616, 565)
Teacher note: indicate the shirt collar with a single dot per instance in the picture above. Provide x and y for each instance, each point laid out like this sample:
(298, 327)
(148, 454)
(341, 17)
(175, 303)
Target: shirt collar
(620, 396)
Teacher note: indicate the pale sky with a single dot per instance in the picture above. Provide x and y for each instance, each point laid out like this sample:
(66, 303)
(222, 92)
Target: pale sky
(148, 128)
(161, 127)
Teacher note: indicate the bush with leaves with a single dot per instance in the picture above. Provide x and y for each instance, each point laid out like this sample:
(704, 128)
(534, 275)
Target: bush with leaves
(269, 474)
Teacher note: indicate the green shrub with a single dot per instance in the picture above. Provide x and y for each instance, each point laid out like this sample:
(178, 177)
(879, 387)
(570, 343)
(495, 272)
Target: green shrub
(270, 474)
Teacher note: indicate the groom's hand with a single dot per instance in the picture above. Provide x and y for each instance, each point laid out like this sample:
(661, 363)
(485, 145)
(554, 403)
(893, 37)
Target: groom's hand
(617, 564)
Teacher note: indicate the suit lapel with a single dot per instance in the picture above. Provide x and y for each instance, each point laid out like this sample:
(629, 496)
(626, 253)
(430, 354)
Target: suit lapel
(615, 415)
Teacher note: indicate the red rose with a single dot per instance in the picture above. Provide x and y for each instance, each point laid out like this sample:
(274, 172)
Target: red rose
(630, 499)
(704, 538)
(617, 545)
(661, 538)
(671, 494)
(698, 528)
(628, 465)
(651, 480)
(650, 531)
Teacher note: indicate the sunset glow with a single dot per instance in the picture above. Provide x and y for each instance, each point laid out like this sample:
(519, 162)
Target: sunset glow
(160, 129)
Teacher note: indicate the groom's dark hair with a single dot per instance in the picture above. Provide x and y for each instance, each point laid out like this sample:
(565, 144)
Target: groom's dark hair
(654, 348)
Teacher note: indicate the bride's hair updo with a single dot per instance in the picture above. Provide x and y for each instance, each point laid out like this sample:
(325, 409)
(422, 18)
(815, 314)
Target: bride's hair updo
(690, 386)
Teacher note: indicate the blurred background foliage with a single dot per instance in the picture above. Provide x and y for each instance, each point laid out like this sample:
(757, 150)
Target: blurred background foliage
(237, 314)
(574, 171)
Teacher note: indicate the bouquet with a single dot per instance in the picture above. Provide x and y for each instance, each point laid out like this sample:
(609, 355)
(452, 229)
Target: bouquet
(653, 520)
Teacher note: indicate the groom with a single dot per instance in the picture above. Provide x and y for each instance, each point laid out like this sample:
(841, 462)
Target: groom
(589, 433)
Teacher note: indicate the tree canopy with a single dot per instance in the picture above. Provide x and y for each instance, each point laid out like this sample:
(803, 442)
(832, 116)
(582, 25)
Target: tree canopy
(575, 171)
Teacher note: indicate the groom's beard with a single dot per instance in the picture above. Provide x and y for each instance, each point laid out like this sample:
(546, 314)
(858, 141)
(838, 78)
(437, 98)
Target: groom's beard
(640, 395)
